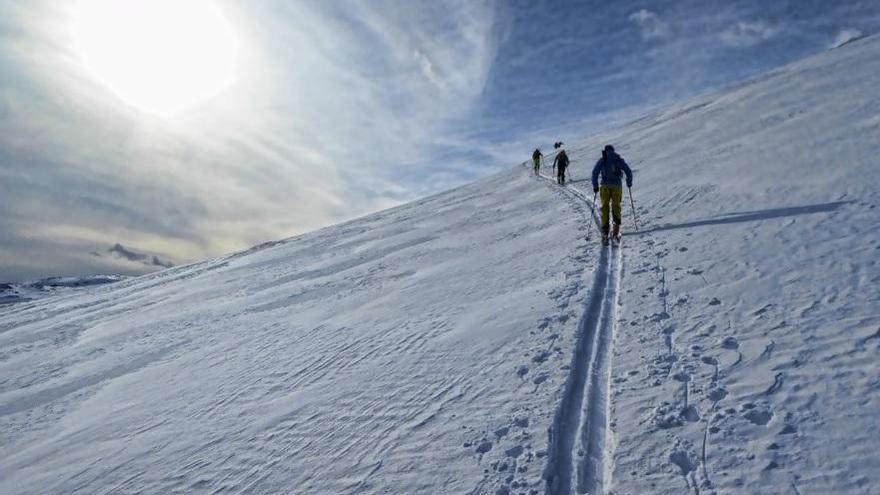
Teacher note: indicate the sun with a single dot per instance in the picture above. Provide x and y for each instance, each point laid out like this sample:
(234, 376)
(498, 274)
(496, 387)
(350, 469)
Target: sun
(160, 56)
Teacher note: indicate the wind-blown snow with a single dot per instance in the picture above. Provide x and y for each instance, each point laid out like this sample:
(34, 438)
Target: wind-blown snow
(474, 342)
(27, 291)
(400, 353)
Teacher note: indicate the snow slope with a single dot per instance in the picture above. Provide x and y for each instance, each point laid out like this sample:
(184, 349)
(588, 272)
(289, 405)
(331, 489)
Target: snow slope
(20, 292)
(748, 336)
(475, 342)
(404, 352)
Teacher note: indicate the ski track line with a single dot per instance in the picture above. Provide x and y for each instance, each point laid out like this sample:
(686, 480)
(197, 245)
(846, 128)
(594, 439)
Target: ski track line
(579, 453)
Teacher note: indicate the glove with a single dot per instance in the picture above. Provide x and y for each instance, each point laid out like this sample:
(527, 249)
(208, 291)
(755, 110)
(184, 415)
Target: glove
(595, 190)
(629, 183)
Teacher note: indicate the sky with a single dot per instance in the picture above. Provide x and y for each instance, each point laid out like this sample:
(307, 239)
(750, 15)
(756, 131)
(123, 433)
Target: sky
(135, 135)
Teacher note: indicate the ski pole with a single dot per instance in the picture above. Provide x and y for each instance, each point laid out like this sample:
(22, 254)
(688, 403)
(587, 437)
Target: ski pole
(593, 212)
(633, 204)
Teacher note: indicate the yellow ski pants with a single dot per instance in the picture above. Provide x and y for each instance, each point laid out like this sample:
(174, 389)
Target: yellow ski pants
(610, 196)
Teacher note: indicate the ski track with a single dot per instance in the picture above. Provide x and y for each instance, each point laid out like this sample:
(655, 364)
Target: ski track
(579, 453)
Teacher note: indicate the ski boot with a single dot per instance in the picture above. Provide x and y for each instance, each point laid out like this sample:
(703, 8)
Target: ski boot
(605, 237)
(615, 235)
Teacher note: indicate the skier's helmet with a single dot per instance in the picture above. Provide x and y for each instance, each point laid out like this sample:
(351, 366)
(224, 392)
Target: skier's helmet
(607, 150)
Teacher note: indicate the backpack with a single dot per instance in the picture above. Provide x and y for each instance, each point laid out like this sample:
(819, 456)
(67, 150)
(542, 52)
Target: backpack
(563, 159)
(611, 165)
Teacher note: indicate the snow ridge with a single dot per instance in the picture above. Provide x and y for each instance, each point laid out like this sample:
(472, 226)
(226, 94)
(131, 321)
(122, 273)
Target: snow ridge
(579, 453)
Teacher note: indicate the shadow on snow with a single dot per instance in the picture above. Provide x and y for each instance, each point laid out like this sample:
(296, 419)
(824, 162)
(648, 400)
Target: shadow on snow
(749, 216)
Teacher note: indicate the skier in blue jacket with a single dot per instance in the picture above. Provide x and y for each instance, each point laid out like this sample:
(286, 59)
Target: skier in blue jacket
(611, 167)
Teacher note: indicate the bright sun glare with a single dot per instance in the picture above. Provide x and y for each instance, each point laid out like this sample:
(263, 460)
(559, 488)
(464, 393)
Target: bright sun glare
(161, 56)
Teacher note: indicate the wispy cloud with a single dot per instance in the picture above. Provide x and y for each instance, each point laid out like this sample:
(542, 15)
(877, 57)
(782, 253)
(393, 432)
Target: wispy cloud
(341, 108)
(651, 25)
(136, 256)
(330, 101)
(748, 33)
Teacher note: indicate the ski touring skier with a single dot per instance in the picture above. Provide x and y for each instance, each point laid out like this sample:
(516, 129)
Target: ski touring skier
(536, 160)
(560, 163)
(611, 167)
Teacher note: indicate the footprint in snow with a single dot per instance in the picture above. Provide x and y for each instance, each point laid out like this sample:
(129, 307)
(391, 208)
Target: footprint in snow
(658, 317)
(541, 357)
(757, 414)
(788, 429)
(684, 460)
(681, 377)
(691, 414)
(484, 447)
(730, 343)
(514, 451)
(667, 416)
(717, 394)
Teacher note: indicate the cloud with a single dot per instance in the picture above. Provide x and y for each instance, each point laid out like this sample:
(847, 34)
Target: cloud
(132, 255)
(845, 37)
(745, 34)
(332, 108)
(651, 25)
(339, 109)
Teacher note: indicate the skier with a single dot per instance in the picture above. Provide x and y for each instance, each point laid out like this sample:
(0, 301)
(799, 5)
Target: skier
(536, 159)
(610, 166)
(560, 163)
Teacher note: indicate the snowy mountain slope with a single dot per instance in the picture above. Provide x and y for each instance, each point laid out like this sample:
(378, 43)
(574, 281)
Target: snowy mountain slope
(474, 342)
(20, 292)
(747, 344)
(405, 352)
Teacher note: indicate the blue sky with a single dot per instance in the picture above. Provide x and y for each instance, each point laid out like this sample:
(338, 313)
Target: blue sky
(341, 108)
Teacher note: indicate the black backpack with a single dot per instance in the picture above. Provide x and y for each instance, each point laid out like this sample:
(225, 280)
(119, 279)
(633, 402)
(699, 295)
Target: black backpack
(611, 165)
(563, 159)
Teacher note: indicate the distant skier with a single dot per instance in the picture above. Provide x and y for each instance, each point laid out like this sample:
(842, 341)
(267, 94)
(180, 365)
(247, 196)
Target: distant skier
(536, 160)
(560, 163)
(611, 166)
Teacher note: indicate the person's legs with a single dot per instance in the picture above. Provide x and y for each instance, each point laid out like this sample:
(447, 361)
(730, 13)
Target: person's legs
(537, 165)
(605, 199)
(616, 198)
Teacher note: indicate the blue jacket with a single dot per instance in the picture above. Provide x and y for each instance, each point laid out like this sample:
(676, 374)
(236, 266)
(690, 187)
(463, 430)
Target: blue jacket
(611, 169)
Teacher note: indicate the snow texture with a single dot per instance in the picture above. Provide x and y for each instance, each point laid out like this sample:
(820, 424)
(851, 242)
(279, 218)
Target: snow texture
(475, 342)
(20, 292)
